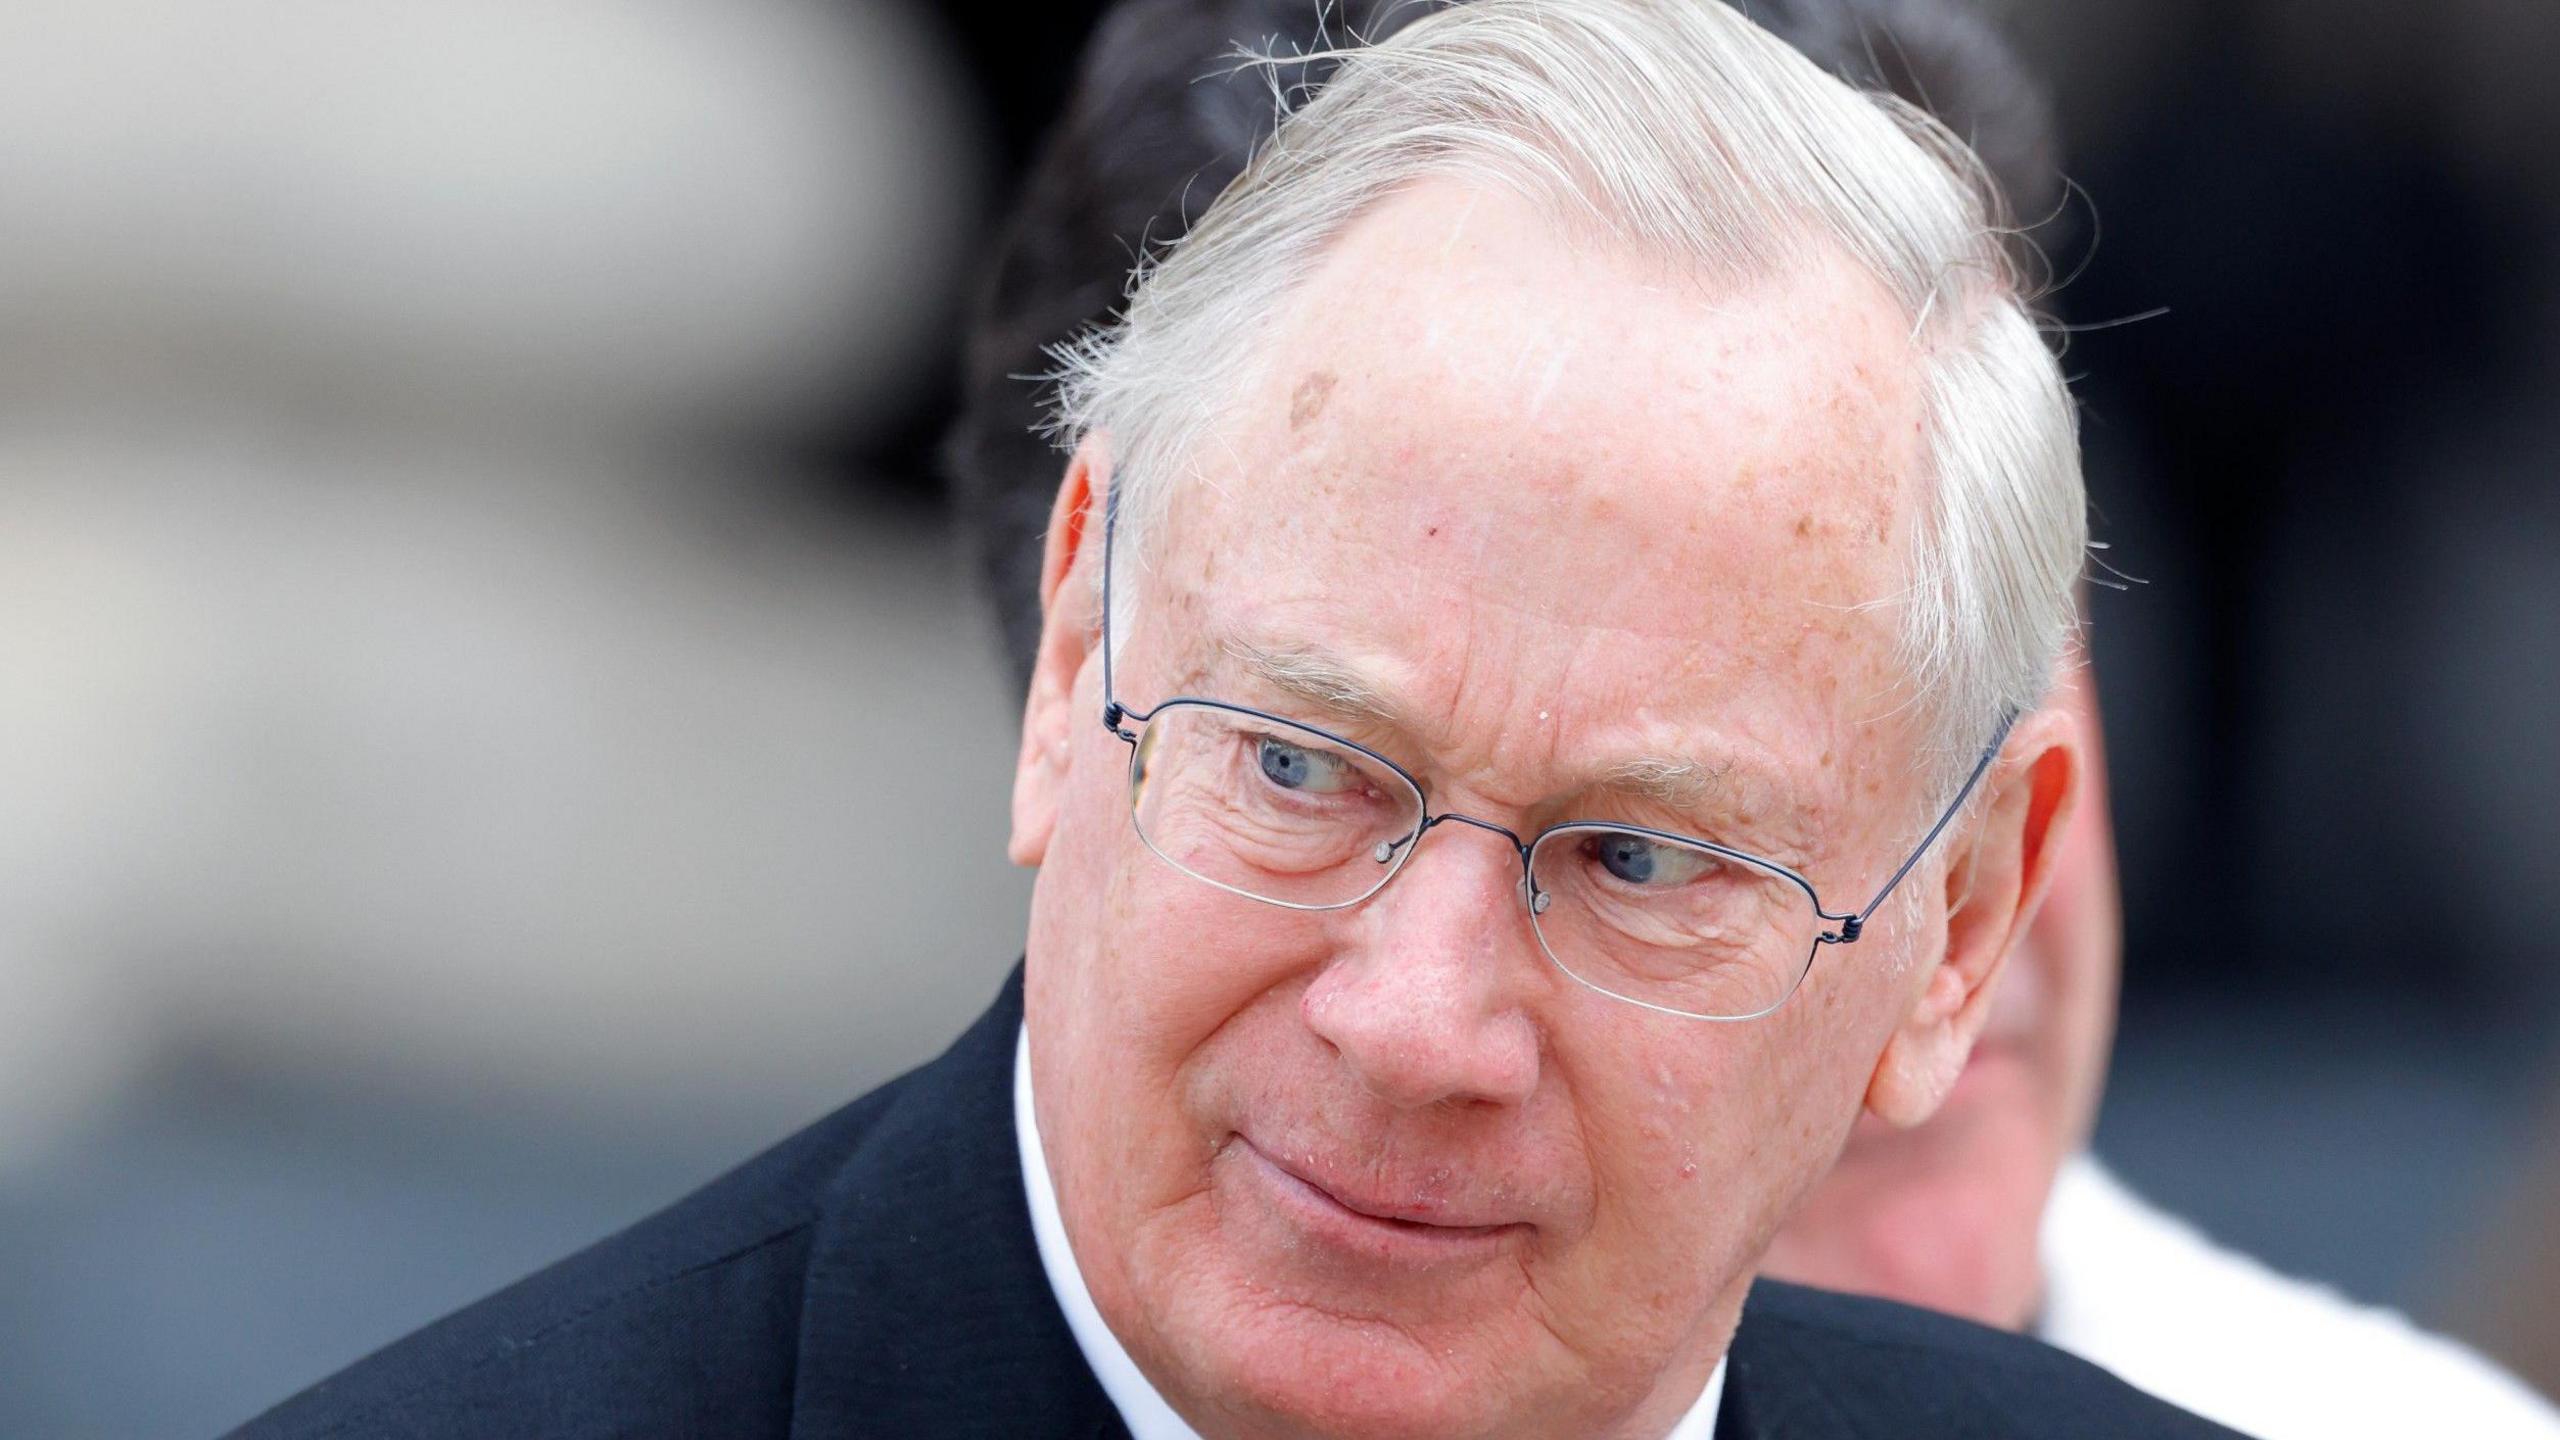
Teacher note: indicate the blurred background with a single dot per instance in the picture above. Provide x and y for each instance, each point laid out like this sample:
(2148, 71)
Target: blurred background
(494, 728)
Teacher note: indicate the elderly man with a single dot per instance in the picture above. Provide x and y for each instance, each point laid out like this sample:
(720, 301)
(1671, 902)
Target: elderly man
(1988, 1211)
(1535, 730)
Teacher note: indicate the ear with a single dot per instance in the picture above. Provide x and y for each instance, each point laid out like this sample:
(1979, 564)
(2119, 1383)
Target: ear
(1995, 880)
(1070, 621)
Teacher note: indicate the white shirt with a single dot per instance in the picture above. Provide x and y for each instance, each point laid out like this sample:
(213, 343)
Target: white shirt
(2146, 1296)
(1141, 1408)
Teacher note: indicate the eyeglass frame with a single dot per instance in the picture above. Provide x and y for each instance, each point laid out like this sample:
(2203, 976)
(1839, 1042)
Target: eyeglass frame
(1846, 927)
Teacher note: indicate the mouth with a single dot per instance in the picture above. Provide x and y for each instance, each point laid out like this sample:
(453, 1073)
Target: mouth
(1374, 1227)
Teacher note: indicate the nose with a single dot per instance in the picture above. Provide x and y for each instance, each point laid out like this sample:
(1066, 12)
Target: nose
(1425, 1001)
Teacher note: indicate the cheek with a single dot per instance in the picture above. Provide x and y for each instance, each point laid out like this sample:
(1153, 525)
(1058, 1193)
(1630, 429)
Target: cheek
(1136, 967)
(1707, 1139)
(1681, 1128)
(1135, 972)
(1190, 958)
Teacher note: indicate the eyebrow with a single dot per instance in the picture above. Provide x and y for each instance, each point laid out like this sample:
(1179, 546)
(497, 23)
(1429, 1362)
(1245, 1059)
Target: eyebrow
(1681, 784)
(1317, 679)
(1727, 801)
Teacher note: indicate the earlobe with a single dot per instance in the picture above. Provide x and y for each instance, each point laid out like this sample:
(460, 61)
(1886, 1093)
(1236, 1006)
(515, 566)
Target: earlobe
(1993, 883)
(1068, 623)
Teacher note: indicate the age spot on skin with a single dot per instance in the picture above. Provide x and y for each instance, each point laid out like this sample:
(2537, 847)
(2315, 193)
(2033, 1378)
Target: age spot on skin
(1308, 402)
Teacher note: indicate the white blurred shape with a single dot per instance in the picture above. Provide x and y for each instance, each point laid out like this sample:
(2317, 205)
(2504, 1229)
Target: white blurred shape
(458, 780)
(383, 693)
(738, 209)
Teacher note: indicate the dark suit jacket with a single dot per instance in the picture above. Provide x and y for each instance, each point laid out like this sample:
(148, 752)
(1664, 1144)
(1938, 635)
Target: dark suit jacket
(875, 1275)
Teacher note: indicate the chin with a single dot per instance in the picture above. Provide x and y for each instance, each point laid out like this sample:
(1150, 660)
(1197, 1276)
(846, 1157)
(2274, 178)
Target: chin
(1348, 1383)
(1292, 1368)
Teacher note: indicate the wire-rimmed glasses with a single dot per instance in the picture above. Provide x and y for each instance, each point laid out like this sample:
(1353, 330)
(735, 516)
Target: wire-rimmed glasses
(1289, 814)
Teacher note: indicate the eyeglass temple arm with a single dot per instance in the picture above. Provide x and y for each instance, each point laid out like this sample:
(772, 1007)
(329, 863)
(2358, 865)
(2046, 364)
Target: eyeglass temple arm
(1112, 712)
(1852, 924)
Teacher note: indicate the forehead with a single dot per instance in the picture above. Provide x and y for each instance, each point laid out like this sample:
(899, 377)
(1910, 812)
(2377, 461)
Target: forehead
(1479, 449)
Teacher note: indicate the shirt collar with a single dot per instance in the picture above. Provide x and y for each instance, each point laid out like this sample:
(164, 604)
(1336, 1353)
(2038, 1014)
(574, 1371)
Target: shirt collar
(1141, 1408)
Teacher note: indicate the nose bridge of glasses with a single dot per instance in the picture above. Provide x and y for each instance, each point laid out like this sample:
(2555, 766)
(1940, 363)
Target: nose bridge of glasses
(1387, 849)
(1505, 832)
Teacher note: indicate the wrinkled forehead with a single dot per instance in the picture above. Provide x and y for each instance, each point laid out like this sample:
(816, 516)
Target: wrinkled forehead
(1474, 433)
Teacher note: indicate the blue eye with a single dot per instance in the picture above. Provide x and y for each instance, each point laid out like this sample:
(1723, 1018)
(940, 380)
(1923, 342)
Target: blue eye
(1299, 767)
(1641, 860)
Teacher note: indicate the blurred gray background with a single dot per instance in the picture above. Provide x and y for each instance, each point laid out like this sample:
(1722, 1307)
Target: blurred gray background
(495, 728)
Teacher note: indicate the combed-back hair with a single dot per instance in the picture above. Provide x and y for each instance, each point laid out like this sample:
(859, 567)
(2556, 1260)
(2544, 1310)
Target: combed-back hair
(1675, 127)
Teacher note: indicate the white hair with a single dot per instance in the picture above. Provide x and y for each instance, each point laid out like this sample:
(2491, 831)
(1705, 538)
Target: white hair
(1682, 130)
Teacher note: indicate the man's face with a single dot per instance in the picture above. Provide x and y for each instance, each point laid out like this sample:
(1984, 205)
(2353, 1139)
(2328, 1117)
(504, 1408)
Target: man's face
(1387, 1169)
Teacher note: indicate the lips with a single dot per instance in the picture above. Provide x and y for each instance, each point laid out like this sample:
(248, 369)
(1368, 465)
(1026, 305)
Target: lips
(1420, 1207)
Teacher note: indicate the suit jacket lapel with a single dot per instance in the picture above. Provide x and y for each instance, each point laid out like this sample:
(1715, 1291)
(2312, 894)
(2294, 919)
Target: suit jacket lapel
(926, 1311)
(1773, 1392)
(1767, 1396)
